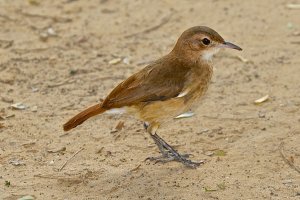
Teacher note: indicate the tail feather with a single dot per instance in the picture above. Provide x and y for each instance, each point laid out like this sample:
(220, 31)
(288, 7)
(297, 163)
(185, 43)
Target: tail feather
(82, 116)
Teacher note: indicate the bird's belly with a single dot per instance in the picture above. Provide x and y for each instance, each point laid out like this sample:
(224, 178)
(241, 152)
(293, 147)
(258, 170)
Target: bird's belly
(159, 112)
(115, 111)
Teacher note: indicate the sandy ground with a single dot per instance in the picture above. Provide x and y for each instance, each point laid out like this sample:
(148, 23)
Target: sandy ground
(58, 57)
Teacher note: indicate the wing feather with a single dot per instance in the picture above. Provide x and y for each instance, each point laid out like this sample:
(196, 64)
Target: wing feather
(156, 82)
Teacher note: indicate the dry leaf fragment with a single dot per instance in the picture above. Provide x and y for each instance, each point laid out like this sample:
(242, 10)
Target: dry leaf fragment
(115, 61)
(43, 36)
(6, 43)
(262, 99)
(291, 159)
(57, 150)
(7, 183)
(34, 2)
(209, 153)
(120, 125)
(99, 150)
(290, 25)
(206, 189)
(221, 186)
(6, 117)
(16, 162)
(9, 116)
(19, 106)
(219, 152)
(34, 109)
(296, 33)
(34, 89)
(136, 168)
(29, 144)
(293, 6)
(244, 60)
(27, 197)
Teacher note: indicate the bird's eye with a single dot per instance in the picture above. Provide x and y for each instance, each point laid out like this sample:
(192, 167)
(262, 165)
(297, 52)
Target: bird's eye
(206, 41)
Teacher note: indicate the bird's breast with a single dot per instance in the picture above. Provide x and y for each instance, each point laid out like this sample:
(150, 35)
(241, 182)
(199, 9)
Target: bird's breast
(196, 85)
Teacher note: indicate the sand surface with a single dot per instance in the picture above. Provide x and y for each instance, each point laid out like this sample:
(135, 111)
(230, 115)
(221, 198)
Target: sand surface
(58, 57)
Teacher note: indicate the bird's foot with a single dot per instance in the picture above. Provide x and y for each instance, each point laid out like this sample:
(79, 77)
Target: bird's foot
(170, 154)
(165, 158)
(171, 157)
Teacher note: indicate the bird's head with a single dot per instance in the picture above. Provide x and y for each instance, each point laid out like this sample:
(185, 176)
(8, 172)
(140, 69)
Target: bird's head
(201, 42)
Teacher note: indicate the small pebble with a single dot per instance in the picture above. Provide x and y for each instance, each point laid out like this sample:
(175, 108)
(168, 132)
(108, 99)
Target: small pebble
(34, 109)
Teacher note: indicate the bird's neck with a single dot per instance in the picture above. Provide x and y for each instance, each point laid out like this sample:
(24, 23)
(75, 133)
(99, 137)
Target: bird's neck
(192, 60)
(193, 57)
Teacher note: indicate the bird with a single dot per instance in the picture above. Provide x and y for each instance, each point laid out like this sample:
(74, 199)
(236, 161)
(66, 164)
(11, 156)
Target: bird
(166, 88)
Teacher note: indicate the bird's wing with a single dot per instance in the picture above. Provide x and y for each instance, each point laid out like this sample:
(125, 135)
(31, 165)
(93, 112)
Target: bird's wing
(156, 82)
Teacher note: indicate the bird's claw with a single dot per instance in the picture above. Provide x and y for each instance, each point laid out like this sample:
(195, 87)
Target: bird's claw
(170, 157)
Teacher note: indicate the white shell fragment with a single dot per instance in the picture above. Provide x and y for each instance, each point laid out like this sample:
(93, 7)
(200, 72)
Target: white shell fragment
(51, 32)
(262, 99)
(126, 61)
(16, 162)
(19, 106)
(185, 115)
(115, 61)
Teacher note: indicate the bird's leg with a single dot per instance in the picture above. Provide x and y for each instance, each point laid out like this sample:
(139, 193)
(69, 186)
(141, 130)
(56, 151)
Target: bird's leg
(169, 153)
(161, 148)
(164, 151)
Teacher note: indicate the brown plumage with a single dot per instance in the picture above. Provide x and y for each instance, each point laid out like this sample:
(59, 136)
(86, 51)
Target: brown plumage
(82, 116)
(166, 88)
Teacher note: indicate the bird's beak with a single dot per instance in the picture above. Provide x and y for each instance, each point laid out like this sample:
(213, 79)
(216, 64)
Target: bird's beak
(230, 46)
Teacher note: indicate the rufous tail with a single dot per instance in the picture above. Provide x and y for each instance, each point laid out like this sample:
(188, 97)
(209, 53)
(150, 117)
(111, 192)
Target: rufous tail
(82, 116)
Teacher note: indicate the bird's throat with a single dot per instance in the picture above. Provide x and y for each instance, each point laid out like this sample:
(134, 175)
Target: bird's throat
(208, 54)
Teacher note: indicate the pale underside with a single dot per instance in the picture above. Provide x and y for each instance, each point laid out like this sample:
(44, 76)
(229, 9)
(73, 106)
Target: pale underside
(208, 54)
(159, 112)
(123, 110)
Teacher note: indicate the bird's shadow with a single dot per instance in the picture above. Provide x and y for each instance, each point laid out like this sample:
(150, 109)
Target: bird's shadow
(145, 180)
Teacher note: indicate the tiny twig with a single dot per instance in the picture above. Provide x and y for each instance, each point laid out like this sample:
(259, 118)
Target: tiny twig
(287, 161)
(6, 117)
(229, 118)
(153, 28)
(44, 176)
(60, 178)
(57, 150)
(61, 83)
(6, 18)
(68, 107)
(36, 50)
(6, 43)
(53, 18)
(65, 134)
(70, 159)
(136, 168)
